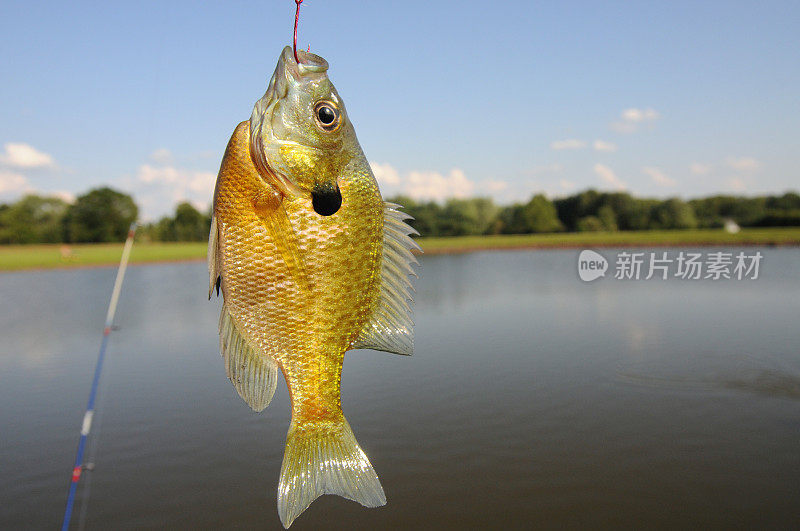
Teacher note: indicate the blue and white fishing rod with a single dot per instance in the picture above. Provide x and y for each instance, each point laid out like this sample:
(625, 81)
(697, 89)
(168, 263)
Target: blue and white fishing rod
(87, 417)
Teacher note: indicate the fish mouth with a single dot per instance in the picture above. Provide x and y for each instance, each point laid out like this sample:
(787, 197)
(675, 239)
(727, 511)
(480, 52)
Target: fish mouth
(326, 199)
(289, 71)
(309, 63)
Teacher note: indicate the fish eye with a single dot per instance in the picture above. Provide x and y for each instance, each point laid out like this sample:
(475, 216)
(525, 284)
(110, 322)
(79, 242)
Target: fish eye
(327, 115)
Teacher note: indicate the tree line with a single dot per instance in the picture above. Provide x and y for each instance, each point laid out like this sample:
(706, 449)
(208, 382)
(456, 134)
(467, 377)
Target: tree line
(101, 215)
(104, 215)
(591, 210)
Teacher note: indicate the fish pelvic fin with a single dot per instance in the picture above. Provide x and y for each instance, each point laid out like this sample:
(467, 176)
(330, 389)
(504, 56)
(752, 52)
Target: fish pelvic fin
(214, 258)
(253, 374)
(390, 327)
(324, 458)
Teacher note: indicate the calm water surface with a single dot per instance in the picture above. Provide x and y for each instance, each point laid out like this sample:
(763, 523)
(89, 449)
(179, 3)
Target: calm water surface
(533, 399)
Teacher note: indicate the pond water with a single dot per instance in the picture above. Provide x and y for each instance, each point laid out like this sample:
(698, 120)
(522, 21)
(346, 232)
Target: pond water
(533, 399)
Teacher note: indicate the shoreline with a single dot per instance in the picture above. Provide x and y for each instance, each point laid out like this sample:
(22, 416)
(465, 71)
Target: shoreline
(612, 245)
(437, 250)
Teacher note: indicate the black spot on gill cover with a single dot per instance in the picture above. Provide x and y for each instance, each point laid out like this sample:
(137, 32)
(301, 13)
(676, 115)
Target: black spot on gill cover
(326, 200)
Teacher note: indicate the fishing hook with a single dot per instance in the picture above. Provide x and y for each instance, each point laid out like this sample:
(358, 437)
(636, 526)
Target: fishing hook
(296, 19)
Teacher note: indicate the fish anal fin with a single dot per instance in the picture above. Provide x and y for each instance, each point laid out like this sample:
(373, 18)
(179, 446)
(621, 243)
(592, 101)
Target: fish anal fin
(253, 374)
(322, 459)
(390, 327)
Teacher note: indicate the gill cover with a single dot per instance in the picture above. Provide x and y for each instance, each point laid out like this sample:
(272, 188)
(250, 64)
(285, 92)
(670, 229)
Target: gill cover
(299, 132)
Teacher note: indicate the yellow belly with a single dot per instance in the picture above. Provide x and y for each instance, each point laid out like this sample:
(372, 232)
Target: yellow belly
(304, 328)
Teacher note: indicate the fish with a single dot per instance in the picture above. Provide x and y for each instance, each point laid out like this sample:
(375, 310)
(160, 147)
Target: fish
(311, 263)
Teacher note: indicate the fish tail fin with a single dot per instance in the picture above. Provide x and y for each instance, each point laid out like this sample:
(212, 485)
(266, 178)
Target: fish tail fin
(324, 458)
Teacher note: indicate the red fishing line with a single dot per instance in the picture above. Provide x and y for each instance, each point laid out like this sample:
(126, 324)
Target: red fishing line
(296, 19)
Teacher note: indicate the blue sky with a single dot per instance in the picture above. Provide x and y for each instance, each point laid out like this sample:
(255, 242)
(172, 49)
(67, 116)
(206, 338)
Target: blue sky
(449, 99)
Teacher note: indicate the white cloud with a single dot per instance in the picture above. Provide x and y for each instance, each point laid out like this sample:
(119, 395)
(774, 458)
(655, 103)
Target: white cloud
(743, 164)
(161, 156)
(737, 184)
(64, 195)
(658, 176)
(196, 181)
(385, 174)
(602, 145)
(18, 161)
(426, 185)
(436, 186)
(566, 185)
(698, 168)
(19, 155)
(639, 115)
(495, 186)
(159, 188)
(570, 143)
(632, 119)
(13, 183)
(608, 177)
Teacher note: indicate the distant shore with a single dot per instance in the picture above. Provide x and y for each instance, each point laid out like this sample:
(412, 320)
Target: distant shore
(64, 256)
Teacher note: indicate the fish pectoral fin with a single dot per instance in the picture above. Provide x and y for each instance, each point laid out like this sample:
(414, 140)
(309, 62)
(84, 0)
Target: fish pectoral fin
(390, 327)
(253, 374)
(214, 258)
(271, 212)
(324, 459)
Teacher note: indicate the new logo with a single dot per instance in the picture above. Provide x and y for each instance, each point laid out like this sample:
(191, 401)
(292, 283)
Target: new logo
(591, 265)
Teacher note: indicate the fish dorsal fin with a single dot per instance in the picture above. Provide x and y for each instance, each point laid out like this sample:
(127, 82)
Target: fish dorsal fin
(390, 327)
(253, 374)
(214, 258)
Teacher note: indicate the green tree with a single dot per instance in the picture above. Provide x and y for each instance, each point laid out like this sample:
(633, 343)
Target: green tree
(790, 201)
(101, 215)
(606, 217)
(508, 220)
(33, 219)
(466, 216)
(190, 224)
(713, 211)
(572, 208)
(164, 230)
(540, 215)
(485, 210)
(673, 214)
(537, 215)
(782, 211)
(590, 224)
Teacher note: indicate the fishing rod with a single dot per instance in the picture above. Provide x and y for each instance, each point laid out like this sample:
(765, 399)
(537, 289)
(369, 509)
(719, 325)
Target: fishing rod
(86, 426)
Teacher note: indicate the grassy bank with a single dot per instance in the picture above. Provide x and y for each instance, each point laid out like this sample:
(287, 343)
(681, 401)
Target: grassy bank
(20, 257)
(767, 236)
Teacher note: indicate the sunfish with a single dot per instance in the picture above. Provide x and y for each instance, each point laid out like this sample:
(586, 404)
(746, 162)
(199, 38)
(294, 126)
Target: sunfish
(311, 263)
